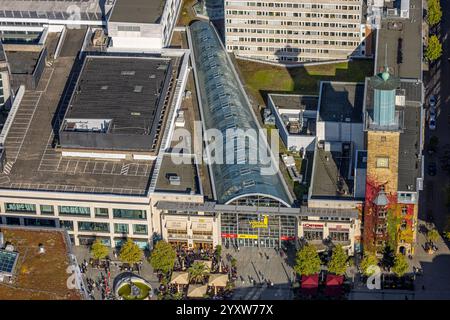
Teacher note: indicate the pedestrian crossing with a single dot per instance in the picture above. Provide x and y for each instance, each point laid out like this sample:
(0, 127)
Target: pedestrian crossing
(8, 167)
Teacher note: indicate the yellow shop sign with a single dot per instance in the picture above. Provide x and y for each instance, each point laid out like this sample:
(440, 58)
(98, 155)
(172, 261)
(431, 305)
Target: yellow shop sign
(247, 236)
(260, 224)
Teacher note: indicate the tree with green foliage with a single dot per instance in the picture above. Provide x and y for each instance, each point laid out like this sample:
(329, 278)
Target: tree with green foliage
(400, 265)
(434, 48)
(178, 295)
(163, 257)
(338, 262)
(447, 235)
(233, 262)
(307, 261)
(388, 257)
(99, 250)
(197, 272)
(434, 14)
(130, 252)
(218, 252)
(432, 235)
(367, 264)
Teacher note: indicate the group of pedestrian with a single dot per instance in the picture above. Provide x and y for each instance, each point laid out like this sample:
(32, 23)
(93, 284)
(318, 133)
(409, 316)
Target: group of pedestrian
(102, 285)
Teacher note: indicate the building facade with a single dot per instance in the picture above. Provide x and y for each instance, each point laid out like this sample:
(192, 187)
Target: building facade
(137, 24)
(293, 31)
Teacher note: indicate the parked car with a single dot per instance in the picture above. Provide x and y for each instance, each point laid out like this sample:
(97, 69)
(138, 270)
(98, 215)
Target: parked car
(432, 120)
(432, 168)
(432, 101)
(432, 124)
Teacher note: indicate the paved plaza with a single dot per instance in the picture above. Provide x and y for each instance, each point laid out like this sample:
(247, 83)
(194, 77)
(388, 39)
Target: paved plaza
(432, 284)
(82, 253)
(262, 265)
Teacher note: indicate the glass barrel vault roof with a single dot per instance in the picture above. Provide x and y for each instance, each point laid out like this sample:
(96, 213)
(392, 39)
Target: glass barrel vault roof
(224, 106)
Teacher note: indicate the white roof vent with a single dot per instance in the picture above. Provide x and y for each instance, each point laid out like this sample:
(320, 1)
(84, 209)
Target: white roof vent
(175, 180)
(41, 248)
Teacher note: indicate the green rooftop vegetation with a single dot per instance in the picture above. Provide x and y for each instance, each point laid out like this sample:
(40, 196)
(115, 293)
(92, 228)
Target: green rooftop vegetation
(261, 79)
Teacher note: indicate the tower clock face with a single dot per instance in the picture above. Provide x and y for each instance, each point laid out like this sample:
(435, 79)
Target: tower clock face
(382, 162)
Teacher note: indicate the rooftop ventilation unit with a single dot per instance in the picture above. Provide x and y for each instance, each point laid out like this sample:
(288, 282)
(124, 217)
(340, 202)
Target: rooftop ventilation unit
(175, 180)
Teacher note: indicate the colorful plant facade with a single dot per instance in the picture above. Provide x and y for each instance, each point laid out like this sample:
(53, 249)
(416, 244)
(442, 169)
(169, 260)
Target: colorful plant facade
(391, 224)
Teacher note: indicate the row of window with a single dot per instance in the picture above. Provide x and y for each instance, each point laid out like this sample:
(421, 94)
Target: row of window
(291, 23)
(279, 50)
(75, 211)
(122, 228)
(129, 28)
(317, 42)
(293, 5)
(294, 14)
(297, 32)
(333, 235)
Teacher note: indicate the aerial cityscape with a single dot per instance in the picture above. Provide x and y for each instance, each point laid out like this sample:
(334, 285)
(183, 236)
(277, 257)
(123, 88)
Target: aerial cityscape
(231, 150)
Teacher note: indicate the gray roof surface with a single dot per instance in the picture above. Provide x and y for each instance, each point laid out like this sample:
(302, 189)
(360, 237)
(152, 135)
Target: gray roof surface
(22, 62)
(128, 90)
(181, 166)
(409, 163)
(212, 207)
(137, 11)
(38, 166)
(340, 101)
(401, 38)
(293, 101)
(330, 173)
(90, 10)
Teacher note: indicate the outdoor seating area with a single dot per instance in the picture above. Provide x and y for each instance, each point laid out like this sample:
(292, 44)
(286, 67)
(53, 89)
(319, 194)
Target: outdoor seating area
(198, 274)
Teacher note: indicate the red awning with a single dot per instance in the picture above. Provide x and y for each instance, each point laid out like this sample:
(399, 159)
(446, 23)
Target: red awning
(310, 284)
(310, 281)
(334, 285)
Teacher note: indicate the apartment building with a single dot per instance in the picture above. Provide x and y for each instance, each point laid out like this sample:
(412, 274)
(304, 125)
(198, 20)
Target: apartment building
(292, 31)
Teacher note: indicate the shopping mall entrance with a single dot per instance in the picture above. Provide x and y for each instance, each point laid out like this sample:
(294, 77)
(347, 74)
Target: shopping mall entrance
(257, 230)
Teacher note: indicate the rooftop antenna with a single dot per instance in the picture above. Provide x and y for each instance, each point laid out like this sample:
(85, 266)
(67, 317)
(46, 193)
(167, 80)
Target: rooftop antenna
(385, 75)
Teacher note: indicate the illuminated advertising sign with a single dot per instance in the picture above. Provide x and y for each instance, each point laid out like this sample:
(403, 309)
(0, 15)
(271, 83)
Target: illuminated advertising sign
(260, 224)
(247, 236)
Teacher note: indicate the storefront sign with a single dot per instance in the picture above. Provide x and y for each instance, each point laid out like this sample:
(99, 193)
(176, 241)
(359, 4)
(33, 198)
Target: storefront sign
(176, 225)
(287, 238)
(247, 236)
(260, 224)
(313, 226)
(229, 235)
(201, 226)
